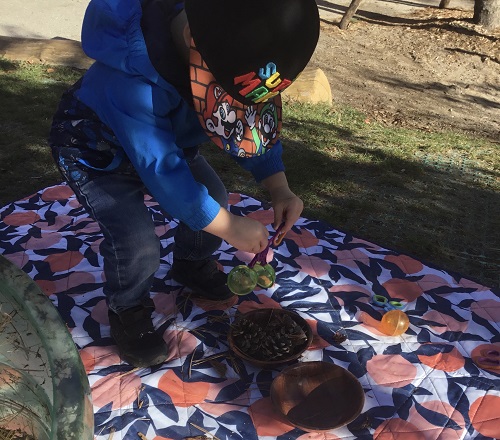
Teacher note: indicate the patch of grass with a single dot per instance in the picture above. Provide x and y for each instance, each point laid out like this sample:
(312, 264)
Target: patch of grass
(435, 196)
(29, 94)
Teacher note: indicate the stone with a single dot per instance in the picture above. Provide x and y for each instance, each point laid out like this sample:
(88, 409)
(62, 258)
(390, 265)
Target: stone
(54, 51)
(311, 86)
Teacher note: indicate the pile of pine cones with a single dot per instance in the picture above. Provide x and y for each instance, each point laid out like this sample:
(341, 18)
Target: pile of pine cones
(275, 339)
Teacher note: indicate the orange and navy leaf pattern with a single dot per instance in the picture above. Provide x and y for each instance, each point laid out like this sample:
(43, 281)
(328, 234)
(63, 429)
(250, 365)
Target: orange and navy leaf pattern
(424, 385)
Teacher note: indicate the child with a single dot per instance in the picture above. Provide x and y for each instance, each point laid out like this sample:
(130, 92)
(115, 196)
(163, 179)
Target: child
(166, 75)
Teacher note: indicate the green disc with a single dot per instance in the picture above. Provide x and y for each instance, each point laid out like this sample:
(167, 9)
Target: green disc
(265, 275)
(241, 280)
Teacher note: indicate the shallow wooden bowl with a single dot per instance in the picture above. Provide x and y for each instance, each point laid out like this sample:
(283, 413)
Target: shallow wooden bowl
(317, 396)
(263, 317)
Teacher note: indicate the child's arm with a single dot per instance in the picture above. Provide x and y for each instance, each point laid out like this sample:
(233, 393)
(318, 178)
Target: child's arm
(249, 235)
(243, 233)
(268, 169)
(287, 206)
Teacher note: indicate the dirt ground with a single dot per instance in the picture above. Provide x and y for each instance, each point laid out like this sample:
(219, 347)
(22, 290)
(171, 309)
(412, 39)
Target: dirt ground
(430, 69)
(402, 62)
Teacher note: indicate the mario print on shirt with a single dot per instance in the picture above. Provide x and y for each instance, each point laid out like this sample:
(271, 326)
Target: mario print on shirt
(240, 130)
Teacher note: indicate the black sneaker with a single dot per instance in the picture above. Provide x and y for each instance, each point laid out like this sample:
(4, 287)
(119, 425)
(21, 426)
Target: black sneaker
(135, 336)
(203, 278)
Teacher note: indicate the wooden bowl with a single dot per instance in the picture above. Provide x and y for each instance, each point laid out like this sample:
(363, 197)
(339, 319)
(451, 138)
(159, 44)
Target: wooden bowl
(263, 318)
(317, 396)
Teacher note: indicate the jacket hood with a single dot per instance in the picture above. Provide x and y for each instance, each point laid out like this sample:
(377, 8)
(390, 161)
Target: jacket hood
(112, 35)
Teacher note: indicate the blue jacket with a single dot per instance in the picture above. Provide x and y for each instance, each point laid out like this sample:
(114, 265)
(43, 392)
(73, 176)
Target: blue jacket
(147, 115)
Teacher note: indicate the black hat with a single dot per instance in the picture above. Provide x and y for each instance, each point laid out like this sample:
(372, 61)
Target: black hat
(243, 54)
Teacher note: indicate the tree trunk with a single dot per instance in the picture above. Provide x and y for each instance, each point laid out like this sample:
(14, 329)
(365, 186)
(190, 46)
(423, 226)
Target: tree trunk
(487, 13)
(444, 4)
(351, 10)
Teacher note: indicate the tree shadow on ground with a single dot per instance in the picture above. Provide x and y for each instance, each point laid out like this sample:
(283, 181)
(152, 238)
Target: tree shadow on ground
(25, 116)
(441, 23)
(450, 106)
(438, 209)
(442, 210)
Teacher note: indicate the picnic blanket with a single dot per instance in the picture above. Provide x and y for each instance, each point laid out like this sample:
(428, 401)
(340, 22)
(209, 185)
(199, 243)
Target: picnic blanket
(424, 384)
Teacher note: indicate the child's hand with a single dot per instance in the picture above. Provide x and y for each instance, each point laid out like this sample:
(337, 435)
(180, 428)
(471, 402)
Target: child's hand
(287, 206)
(287, 209)
(243, 233)
(247, 234)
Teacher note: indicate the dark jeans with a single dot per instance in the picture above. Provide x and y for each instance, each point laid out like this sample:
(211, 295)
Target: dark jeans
(131, 249)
